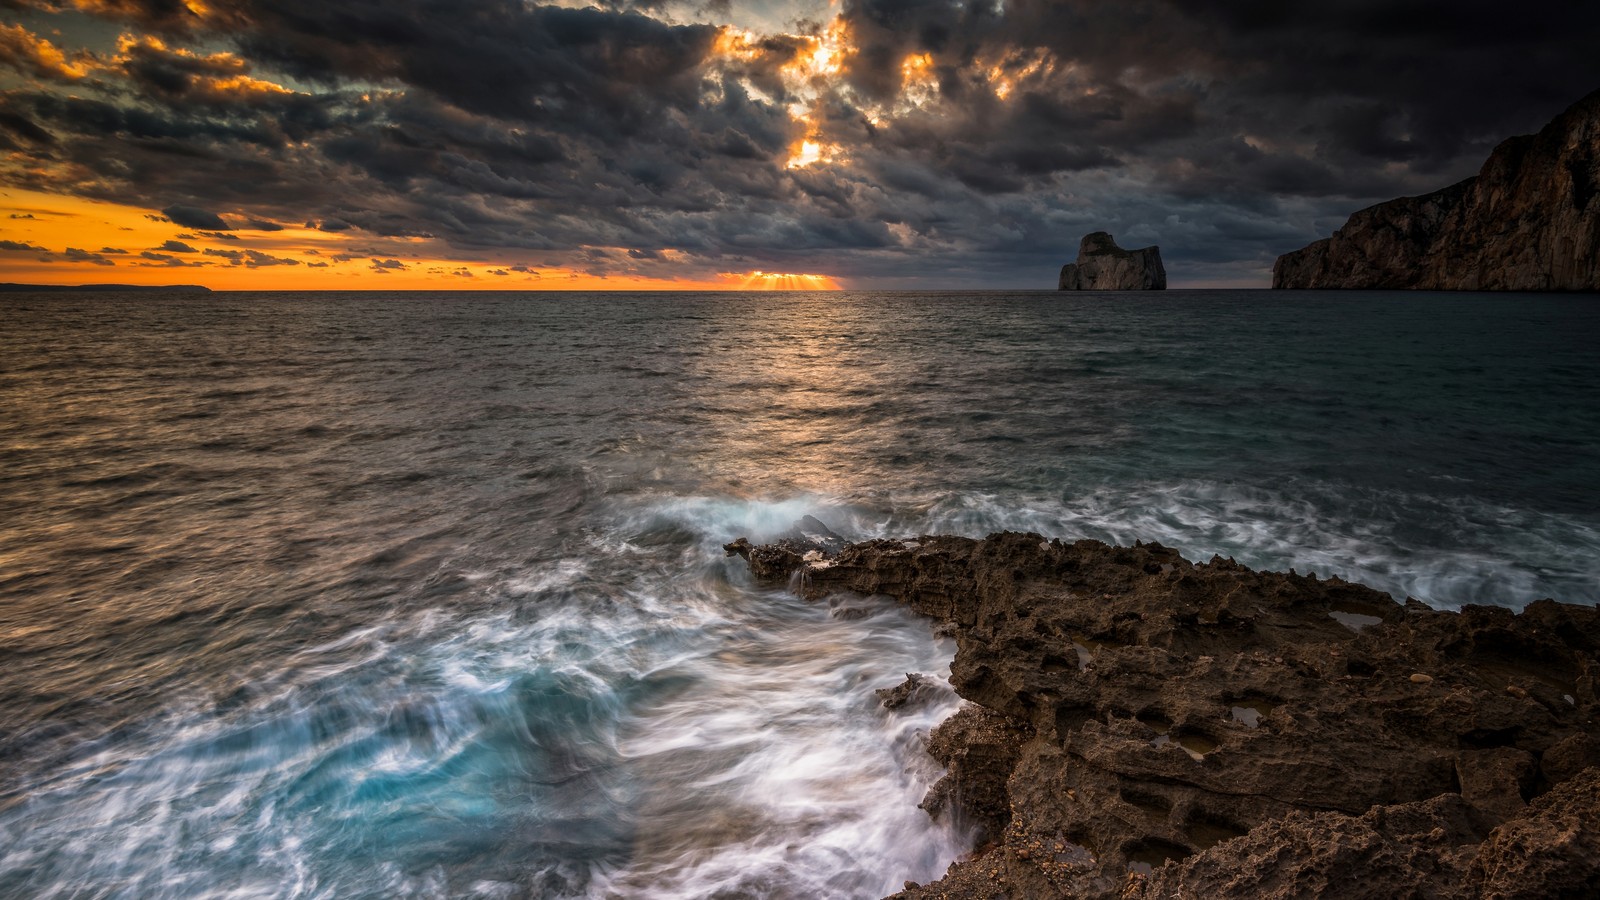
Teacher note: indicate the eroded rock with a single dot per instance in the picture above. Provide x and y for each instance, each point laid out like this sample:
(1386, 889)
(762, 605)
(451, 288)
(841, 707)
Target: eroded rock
(1103, 266)
(1152, 727)
(916, 690)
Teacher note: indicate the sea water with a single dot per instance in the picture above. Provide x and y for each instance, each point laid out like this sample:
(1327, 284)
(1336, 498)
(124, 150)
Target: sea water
(421, 595)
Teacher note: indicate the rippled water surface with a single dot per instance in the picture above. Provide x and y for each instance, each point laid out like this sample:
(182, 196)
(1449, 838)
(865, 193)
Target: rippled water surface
(422, 595)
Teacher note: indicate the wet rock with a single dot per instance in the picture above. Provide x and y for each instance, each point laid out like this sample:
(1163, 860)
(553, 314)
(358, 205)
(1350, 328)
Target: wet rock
(1103, 266)
(914, 691)
(808, 546)
(1106, 754)
(979, 748)
(811, 532)
(1529, 221)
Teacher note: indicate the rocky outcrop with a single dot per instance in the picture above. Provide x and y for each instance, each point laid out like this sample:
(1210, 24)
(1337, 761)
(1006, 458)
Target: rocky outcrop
(1529, 221)
(1145, 726)
(1103, 266)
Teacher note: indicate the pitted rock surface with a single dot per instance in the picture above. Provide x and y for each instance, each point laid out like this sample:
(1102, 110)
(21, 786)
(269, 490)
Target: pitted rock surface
(1146, 726)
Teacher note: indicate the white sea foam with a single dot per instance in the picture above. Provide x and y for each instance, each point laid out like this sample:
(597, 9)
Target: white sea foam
(1475, 552)
(657, 731)
(644, 719)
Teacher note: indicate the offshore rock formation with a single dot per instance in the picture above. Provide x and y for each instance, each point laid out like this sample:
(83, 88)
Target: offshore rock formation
(1145, 726)
(1103, 266)
(1529, 221)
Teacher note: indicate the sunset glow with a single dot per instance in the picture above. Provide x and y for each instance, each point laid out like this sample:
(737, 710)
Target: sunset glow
(49, 239)
(664, 144)
(59, 238)
(782, 281)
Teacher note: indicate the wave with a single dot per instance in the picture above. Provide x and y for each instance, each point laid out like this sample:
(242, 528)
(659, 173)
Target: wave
(630, 723)
(1444, 550)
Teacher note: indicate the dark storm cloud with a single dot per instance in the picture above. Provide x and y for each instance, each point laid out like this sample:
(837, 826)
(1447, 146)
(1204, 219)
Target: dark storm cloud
(164, 16)
(19, 125)
(192, 217)
(972, 137)
(609, 70)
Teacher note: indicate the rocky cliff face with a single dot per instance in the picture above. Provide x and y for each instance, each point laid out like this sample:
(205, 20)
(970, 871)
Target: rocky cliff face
(1529, 221)
(1145, 726)
(1103, 266)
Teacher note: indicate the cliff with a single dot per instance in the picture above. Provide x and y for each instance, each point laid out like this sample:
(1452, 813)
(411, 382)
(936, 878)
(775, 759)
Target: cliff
(1528, 221)
(1103, 266)
(1146, 726)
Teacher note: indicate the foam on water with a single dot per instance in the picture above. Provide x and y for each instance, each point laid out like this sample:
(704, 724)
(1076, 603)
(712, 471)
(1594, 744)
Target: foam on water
(1471, 552)
(689, 735)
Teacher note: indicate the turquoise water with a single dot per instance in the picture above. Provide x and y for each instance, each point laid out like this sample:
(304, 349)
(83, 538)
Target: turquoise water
(422, 595)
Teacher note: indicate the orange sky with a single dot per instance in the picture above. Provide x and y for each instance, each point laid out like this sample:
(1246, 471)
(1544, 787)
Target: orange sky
(83, 241)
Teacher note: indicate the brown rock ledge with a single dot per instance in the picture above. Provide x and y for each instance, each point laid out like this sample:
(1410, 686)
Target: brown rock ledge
(1148, 727)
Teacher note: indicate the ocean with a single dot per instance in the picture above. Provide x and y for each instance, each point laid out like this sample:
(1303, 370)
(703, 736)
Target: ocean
(422, 595)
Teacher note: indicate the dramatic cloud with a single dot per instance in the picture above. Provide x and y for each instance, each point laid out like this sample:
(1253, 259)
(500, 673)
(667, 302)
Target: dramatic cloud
(885, 142)
(192, 217)
(30, 54)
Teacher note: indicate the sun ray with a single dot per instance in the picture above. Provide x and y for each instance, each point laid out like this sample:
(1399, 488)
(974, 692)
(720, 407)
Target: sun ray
(782, 281)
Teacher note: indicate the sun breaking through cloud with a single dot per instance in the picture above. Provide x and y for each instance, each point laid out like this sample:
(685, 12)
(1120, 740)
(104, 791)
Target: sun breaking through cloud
(671, 142)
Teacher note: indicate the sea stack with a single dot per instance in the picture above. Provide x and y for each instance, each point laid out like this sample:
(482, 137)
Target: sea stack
(1528, 221)
(1103, 266)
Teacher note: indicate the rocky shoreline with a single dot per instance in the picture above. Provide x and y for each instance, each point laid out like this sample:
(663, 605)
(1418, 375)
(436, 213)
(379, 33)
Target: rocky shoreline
(1145, 726)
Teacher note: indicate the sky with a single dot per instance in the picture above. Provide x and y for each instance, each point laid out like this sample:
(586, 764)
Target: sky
(659, 144)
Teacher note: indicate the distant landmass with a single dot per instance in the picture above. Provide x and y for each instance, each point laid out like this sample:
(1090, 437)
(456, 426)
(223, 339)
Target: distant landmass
(1103, 266)
(13, 287)
(1528, 221)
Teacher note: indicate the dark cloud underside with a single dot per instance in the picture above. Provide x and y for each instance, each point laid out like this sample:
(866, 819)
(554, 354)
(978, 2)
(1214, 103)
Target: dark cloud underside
(965, 143)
